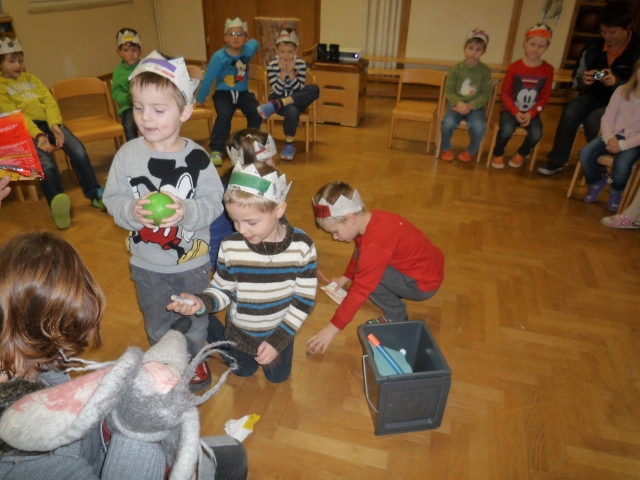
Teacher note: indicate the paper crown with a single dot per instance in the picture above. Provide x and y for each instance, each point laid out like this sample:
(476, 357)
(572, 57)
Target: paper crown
(290, 37)
(539, 30)
(128, 37)
(263, 152)
(10, 45)
(236, 22)
(480, 34)
(248, 179)
(343, 205)
(175, 70)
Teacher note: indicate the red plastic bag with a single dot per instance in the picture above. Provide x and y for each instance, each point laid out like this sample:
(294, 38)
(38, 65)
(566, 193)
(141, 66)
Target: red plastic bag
(18, 155)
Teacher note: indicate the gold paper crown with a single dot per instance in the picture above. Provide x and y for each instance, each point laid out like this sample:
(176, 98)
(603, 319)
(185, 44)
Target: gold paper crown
(10, 45)
(343, 205)
(290, 37)
(175, 70)
(248, 179)
(263, 152)
(128, 37)
(236, 22)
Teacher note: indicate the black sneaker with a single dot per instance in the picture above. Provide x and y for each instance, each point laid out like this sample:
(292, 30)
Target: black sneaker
(549, 169)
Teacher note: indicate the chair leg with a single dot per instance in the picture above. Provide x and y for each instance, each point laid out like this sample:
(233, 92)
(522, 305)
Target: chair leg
(391, 129)
(429, 136)
(573, 180)
(534, 154)
(306, 135)
(18, 189)
(493, 144)
(630, 189)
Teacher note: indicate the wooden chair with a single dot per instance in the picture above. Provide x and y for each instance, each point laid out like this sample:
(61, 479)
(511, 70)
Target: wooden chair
(18, 181)
(419, 111)
(93, 127)
(207, 111)
(488, 113)
(306, 117)
(521, 131)
(629, 190)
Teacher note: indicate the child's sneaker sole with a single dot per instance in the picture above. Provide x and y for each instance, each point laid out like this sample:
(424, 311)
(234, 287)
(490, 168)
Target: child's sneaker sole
(61, 211)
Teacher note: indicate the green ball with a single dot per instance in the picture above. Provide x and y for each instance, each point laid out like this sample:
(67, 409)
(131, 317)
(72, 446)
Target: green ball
(158, 205)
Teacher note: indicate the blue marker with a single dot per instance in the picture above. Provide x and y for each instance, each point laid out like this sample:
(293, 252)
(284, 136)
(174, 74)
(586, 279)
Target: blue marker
(376, 343)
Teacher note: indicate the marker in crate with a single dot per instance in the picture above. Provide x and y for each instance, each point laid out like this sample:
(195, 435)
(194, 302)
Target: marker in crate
(376, 343)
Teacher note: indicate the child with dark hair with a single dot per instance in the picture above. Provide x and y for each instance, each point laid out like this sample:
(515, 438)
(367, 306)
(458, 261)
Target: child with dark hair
(290, 95)
(129, 50)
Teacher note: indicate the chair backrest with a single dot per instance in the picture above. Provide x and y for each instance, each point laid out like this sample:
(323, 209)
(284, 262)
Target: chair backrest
(78, 87)
(267, 30)
(258, 82)
(421, 76)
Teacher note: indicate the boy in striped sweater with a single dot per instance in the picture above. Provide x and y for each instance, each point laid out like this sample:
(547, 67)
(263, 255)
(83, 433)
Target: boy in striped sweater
(289, 95)
(265, 274)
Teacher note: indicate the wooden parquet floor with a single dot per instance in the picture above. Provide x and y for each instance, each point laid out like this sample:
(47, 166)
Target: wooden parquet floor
(538, 318)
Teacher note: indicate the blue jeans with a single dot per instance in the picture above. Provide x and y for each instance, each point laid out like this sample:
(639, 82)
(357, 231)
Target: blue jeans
(129, 124)
(585, 109)
(475, 122)
(277, 371)
(291, 113)
(226, 102)
(508, 125)
(52, 183)
(622, 164)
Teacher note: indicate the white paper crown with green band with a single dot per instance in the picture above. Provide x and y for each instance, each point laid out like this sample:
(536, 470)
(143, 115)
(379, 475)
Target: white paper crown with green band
(128, 37)
(174, 70)
(343, 205)
(263, 152)
(248, 179)
(10, 45)
(236, 22)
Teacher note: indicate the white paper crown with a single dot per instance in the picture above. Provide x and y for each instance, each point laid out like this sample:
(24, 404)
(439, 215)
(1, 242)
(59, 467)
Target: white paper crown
(10, 45)
(248, 179)
(236, 22)
(263, 152)
(343, 205)
(285, 36)
(128, 37)
(175, 70)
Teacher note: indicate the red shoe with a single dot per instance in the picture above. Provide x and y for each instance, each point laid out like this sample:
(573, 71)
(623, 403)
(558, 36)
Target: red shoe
(465, 157)
(516, 161)
(497, 162)
(201, 379)
(446, 155)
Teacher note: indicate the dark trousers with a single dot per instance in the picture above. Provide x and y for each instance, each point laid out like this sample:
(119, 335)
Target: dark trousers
(226, 102)
(291, 113)
(508, 125)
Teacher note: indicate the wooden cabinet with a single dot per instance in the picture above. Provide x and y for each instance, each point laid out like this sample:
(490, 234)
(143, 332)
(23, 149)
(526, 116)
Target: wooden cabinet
(6, 27)
(343, 89)
(585, 28)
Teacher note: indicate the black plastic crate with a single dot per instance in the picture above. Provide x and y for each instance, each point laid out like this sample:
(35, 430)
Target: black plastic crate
(412, 401)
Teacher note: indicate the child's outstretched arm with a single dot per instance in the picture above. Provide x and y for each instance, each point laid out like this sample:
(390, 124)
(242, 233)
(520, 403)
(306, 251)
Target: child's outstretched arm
(321, 340)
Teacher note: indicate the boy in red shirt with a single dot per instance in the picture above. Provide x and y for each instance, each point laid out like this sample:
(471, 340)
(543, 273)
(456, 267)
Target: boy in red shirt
(393, 260)
(525, 92)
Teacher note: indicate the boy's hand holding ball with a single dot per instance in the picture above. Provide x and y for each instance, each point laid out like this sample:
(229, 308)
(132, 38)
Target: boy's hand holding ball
(159, 209)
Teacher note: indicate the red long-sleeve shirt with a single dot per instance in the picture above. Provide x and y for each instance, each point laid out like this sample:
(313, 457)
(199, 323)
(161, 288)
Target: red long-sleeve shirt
(526, 89)
(389, 241)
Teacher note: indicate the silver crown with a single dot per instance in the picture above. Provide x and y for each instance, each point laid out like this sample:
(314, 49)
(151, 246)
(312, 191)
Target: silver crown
(263, 152)
(343, 205)
(236, 22)
(10, 45)
(175, 70)
(285, 36)
(248, 179)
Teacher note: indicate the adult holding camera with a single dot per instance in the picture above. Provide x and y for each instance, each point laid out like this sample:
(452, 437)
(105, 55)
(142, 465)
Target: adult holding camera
(603, 66)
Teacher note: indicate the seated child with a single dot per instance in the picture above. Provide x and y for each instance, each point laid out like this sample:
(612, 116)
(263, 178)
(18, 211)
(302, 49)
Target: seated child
(620, 136)
(168, 258)
(229, 67)
(266, 275)
(289, 95)
(24, 91)
(245, 146)
(129, 49)
(392, 260)
(467, 90)
(525, 92)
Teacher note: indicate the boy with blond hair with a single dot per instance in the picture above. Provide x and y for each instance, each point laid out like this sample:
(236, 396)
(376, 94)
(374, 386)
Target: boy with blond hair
(171, 257)
(266, 276)
(229, 68)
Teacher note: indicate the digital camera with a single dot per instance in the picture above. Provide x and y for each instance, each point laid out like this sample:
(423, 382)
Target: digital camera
(599, 75)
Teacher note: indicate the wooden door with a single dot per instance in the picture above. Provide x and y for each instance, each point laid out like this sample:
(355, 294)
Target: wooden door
(215, 14)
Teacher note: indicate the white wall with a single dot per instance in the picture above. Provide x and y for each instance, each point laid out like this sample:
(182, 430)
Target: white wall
(182, 28)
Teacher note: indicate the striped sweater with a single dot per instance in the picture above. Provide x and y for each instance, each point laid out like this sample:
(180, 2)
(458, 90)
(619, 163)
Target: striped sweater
(284, 88)
(270, 289)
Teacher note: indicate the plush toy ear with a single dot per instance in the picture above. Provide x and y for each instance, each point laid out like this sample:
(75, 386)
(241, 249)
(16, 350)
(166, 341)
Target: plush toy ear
(59, 415)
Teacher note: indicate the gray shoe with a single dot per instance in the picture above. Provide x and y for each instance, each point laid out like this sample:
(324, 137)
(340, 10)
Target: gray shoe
(548, 169)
